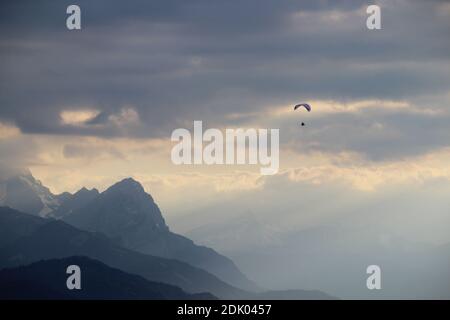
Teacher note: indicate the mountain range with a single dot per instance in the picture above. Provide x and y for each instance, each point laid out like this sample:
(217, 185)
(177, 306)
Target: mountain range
(44, 239)
(126, 213)
(122, 228)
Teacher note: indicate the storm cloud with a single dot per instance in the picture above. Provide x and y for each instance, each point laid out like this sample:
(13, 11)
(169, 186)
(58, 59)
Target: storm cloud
(175, 61)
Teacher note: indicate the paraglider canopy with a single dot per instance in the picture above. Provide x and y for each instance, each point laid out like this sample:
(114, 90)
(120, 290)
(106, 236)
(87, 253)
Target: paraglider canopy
(305, 105)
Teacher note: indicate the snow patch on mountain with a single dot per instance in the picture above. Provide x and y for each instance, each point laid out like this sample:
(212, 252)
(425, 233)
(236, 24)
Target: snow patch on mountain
(23, 192)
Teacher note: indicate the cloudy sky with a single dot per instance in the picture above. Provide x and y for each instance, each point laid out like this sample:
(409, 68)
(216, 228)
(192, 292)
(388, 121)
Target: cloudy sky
(89, 107)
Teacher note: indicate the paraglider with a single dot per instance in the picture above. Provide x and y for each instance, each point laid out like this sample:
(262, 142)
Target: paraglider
(306, 106)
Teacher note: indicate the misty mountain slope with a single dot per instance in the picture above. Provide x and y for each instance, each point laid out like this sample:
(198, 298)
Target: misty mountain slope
(128, 215)
(123, 211)
(56, 239)
(47, 280)
(26, 194)
(71, 202)
(14, 225)
(335, 261)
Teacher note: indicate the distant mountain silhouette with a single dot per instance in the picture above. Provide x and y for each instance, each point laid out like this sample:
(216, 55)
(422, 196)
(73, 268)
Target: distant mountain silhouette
(130, 216)
(43, 239)
(47, 280)
(26, 239)
(126, 214)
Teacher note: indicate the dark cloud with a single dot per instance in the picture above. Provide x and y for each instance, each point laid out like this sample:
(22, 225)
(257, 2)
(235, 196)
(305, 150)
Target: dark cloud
(375, 133)
(175, 61)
